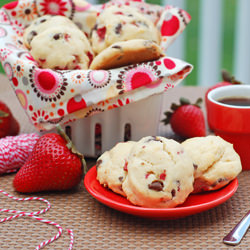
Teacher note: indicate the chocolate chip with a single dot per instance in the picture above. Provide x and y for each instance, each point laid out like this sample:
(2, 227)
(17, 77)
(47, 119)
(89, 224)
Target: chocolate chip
(120, 178)
(156, 185)
(43, 20)
(154, 138)
(118, 28)
(219, 181)
(58, 36)
(178, 185)
(173, 192)
(98, 163)
(116, 47)
(195, 166)
(33, 33)
(31, 36)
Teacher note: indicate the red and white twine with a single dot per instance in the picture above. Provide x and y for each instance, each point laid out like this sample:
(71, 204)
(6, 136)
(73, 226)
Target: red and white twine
(33, 215)
(14, 151)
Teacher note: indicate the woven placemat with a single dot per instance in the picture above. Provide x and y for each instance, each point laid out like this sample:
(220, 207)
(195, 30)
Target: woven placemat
(96, 226)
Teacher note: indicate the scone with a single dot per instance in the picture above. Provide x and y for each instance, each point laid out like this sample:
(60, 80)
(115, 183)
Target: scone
(160, 173)
(125, 53)
(62, 48)
(216, 162)
(116, 24)
(112, 166)
(43, 23)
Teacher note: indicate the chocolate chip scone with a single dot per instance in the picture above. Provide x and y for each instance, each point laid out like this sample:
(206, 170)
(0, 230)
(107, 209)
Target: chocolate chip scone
(116, 24)
(125, 53)
(112, 166)
(160, 173)
(62, 47)
(43, 23)
(216, 162)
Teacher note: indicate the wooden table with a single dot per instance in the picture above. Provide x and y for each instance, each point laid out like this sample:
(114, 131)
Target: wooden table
(96, 226)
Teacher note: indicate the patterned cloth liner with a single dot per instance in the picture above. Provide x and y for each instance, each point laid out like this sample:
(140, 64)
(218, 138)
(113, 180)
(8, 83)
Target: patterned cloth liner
(61, 96)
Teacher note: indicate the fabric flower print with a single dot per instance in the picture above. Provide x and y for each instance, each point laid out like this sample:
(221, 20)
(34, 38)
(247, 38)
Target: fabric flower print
(4, 18)
(53, 7)
(17, 41)
(78, 77)
(39, 116)
(120, 103)
(27, 11)
(135, 76)
(4, 53)
(18, 68)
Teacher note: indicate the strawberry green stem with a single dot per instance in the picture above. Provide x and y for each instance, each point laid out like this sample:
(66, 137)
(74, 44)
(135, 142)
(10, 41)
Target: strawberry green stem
(72, 147)
(227, 77)
(3, 114)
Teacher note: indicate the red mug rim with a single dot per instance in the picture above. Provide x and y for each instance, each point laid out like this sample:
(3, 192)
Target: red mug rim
(229, 91)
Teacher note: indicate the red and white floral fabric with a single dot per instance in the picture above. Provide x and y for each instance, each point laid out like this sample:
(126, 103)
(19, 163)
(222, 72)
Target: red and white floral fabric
(60, 96)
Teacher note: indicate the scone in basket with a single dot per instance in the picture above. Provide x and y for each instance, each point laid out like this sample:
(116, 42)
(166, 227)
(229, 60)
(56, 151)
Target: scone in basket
(82, 100)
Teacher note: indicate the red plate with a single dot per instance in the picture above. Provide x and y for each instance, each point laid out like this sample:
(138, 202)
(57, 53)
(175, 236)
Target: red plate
(195, 203)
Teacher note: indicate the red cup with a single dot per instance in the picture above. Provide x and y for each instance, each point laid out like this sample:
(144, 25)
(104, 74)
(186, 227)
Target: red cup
(231, 122)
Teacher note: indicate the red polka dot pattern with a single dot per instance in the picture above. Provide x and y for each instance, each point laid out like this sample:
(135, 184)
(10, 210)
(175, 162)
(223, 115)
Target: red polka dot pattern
(169, 64)
(75, 104)
(170, 27)
(46, 80)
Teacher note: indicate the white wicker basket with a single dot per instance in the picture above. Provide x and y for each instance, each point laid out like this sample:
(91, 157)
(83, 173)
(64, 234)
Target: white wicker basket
(142, 116)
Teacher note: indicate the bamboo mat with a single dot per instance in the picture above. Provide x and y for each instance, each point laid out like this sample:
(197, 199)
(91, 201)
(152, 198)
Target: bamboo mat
(96, 226)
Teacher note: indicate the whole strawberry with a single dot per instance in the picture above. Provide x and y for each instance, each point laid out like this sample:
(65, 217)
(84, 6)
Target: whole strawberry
(228, 79)
(8, 124)
(53, 165)
(186, 119)
(4, 120)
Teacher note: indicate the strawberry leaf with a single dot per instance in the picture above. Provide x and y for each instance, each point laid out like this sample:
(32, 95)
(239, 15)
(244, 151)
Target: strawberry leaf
(184, 101)
(3, 114)
(174, 106)
(198, 102)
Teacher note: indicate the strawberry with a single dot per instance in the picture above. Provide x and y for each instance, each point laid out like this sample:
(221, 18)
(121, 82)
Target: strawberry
(53, 165)
(186, 119)
(14, 126)
(227, 80)
(8, 124)
(4, 120)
